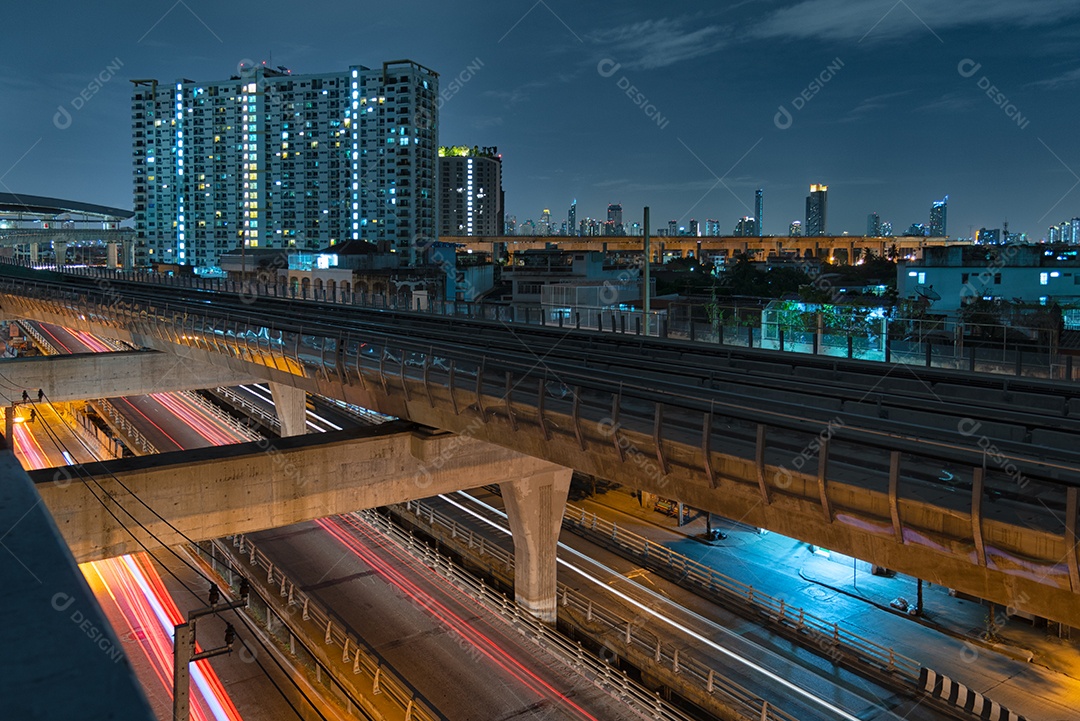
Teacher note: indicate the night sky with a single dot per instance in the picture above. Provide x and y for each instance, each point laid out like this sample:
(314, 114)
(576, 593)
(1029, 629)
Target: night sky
(719, 104)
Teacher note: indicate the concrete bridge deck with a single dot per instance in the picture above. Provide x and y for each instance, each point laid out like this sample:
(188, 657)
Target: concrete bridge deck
(846, 479)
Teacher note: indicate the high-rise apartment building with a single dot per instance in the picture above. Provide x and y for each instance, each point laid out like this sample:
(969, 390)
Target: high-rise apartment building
(816, 210)
(873, 226)
(759, 209)
(672, 227)
(693, 231)
(470, 191)
(712, 227)
(614, 225)
(571, 219)
(939, 213)
(269, 159)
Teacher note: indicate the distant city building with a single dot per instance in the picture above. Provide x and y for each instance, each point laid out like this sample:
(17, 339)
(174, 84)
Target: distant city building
(1068, 231)
(712, 228)
(511, 225)
(673, 227)
(571, 219)
(470, 191)
(873, 226)
(759, 209)
(746, 227)
(268, 159)
(990, 236)
(886, 230)
(635, 229)
(916, 229)
(795, 229)
(614, 224)
(694, 228)
(545, 222)
(816, 210)
(939, 213)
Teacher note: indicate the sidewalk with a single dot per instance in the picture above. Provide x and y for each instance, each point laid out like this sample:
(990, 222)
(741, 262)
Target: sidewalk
(948, 637)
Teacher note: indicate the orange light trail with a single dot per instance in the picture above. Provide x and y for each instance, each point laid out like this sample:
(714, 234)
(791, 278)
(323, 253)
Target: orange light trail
(146, 608)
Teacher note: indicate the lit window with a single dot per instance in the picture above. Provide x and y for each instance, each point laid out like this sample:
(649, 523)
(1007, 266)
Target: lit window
(1044, 278)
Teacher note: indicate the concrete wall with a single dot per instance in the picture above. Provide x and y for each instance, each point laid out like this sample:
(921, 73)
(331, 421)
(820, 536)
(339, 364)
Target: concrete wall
(215, 492)
(110, 375)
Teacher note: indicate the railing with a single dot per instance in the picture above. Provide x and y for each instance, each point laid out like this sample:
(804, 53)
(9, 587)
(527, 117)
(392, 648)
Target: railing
(123, 426)
(242, 430)
(628, 636)
(1007, 359)
(829, 637)
(242, 404)
(45, 346)
(314, 620)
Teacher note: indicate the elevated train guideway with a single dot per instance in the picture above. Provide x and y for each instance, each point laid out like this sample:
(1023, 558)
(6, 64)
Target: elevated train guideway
(964, 480)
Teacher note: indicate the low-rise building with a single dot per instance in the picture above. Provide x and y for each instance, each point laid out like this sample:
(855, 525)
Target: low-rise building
(951, 277)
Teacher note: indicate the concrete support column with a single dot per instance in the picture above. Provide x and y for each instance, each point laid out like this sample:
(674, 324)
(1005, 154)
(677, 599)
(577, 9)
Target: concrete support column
(60, 250)
(33, 252)
(112, 258)
(291, 405)
(534, 508)
(127, 257)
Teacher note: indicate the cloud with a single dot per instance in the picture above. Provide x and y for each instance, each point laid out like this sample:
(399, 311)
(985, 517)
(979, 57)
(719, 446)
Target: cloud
(950, 103)
(868, 105)
(1072, 77)
(659, 43)
(847, 20)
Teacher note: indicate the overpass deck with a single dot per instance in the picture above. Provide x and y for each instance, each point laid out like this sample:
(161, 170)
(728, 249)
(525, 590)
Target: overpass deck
(915, 471)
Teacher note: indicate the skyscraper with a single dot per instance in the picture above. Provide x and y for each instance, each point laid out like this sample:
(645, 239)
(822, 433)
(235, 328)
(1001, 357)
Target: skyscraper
(712, 227)
(938, 217)
(816, 210)
(759, 209)
(268, 159)
(545, 222)
(746, 227)
(571, 219)
(873, 226)
(673, 227)
(614, 224)
(470, 191)
(795, 229)
(694, 228)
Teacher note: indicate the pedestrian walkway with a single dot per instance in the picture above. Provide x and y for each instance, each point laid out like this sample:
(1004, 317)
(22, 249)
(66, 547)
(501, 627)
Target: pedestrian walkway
(1022, 666)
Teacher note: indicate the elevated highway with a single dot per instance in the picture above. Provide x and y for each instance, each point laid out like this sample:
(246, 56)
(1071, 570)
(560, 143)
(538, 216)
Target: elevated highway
(964, 480)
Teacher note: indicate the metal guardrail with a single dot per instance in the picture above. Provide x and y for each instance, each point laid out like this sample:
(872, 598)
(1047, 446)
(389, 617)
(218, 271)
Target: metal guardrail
(208, 407)
(46, 347)
(715, 586)
(247, 407)
(365, 661)
(1048, 363)
(596, 621)
(593, 668)
(122, 426)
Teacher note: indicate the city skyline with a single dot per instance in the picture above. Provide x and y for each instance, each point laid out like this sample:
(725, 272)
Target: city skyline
(841, 97)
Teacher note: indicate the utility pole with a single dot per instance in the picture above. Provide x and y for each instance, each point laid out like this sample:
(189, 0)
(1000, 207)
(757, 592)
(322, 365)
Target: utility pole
(184, 647)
